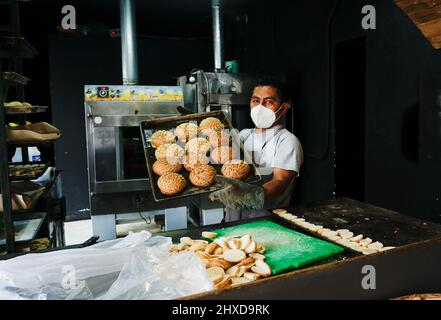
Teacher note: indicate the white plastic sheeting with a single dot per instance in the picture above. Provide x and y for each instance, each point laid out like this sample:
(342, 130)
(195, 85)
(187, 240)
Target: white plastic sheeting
(138, 266)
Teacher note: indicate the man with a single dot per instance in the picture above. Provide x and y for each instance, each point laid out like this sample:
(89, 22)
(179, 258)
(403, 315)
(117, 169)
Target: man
(276, 152)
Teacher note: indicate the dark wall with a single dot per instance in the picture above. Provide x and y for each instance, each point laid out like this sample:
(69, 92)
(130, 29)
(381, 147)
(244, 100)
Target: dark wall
(76, 61)
(293, 38)
(397, 175)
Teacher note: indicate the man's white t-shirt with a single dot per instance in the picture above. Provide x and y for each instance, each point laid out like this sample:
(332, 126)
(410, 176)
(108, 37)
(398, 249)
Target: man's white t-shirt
(273, 148)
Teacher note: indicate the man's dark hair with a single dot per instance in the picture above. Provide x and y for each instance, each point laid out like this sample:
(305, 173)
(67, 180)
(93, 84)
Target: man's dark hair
(275, 83)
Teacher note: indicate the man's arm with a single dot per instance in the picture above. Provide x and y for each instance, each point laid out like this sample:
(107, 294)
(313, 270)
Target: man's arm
(279, 183)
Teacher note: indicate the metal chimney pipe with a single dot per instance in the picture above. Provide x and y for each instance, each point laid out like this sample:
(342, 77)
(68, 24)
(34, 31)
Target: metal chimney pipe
(218, 29)
(129, 48)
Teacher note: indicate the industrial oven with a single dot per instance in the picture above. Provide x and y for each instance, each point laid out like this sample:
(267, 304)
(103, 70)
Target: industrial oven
(118, 183)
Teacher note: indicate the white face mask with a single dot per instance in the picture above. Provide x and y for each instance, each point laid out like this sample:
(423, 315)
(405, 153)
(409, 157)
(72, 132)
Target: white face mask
(263, 117)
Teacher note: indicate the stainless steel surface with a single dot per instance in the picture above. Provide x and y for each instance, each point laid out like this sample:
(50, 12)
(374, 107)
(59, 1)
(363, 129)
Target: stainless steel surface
(129, 48)
(218, 28)
(121, 185)
(117, 171)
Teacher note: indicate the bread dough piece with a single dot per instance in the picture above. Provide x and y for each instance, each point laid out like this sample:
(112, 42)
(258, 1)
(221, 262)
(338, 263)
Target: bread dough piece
(221, 242)
(260, 249)
(367, 251)
(224, 283)
(234, 255)
(242, 270)
(161, 137)
(217, 262)
(209, 235)
(346, 235)
(334, 238)
(257, 256)
(203, 255)
(329, 234)
(279, 211)
(245, 241)
(233, 244)
(251, 276)
(170, 152)
(197, 146)
(223, 154)
(233, 271)
(357, 238)
(376, 245)
(200, 241)
(215, 274)
(236, 169)
(171, 183)
(251, 248)
(344, 242)
(386, 249)
(236, 281)
(304, 224)
(161, 167)
(323, 231)
(248, 261)
(286, 215)
(186, 240)
(219, 139)
(192, 160)
(203, 176)
(211, 125)
(313, 228)
(261, 268)
(298, 220)
(210, 248)
(196, 246)
(186, 131)
(366, 242)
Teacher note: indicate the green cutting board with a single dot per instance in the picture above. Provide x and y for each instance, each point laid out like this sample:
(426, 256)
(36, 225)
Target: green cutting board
(285, 249)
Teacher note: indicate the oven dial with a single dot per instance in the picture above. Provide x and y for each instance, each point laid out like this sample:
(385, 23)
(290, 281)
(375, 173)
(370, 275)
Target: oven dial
(98, 120)
(103, 92)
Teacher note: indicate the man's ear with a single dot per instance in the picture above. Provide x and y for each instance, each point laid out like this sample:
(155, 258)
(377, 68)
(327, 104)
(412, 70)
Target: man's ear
(286, 105)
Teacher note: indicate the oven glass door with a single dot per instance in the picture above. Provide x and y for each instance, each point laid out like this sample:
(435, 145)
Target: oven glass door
(119, 154)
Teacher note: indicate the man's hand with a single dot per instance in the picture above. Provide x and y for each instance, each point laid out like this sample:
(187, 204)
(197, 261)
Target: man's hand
(238, 195)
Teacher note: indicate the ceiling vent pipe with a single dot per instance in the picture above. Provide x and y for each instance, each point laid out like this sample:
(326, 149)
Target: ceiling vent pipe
(218, 30)
(129, 48)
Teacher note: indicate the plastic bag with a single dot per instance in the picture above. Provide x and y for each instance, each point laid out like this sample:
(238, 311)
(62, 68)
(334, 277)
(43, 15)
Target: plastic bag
(136, 267)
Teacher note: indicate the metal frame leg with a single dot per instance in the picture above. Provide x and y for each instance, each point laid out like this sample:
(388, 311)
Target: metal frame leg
(175, 218)
(211, 216)
(104, 226)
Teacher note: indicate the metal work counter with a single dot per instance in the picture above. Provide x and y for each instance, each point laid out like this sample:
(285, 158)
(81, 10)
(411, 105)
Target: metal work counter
(413, 267)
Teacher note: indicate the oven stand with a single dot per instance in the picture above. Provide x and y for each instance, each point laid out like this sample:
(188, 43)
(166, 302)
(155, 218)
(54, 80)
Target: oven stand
(211, 216)
(104, 226)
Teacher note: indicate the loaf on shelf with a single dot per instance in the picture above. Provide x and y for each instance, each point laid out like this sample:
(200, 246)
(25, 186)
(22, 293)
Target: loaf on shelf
(35, 132)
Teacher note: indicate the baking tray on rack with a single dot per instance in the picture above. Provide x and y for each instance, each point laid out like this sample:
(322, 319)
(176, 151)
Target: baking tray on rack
(25, 109)
(149, 127)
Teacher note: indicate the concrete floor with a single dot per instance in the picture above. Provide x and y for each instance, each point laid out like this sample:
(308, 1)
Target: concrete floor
(79, 231)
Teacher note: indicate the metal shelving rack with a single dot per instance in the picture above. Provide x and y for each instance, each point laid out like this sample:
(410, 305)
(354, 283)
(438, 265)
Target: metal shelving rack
(15, 48)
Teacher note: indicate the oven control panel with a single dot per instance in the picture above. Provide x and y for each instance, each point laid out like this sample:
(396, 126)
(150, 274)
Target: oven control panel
(132, 93)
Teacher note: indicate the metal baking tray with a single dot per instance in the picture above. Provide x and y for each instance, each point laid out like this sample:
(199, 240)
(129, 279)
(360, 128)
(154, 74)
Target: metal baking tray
(25, 110)
(149, 127)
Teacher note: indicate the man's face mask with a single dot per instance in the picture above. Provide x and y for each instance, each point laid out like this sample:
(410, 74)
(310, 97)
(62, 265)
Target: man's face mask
(263, 117)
